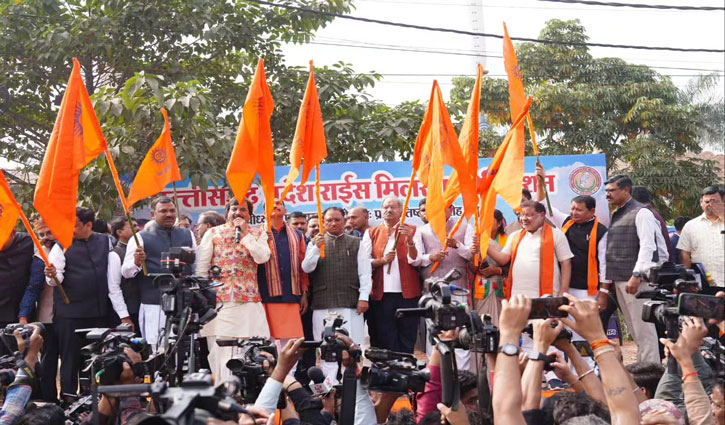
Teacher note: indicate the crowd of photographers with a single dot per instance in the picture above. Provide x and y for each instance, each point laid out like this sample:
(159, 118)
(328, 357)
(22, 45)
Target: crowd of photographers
(530, 350)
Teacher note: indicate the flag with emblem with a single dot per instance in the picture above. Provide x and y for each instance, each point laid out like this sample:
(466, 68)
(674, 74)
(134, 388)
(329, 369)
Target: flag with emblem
(76, 140)
(158, 169)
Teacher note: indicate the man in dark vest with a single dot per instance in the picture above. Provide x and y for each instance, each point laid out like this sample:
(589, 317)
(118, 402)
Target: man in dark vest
(340, 282)
(82, 270)
(589, 245)
(15, 258)
(631, 250)
(396, 283)
(130, 299)
(158, 236)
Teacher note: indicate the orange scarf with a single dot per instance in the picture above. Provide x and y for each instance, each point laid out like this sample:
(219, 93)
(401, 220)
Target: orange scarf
(546, 258)
(592, 275)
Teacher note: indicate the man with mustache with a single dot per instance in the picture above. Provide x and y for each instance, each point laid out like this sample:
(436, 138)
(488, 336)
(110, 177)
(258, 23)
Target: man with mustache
(702, 237)
(158, 236)
(237, 248)
(400, 288)
(631, 250)
(42, 294)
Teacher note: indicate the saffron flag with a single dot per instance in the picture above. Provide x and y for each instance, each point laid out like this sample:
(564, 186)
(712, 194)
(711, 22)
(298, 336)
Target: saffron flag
(309, 140)
(516, 84)
(158, 169)
(76, 140)
(253, 150)
(468, 139)
(9, 212)
(502, 174)
(436, 146)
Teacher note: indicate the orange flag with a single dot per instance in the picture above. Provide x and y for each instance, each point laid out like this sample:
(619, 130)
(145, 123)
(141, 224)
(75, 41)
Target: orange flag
(516, 84)
(502, 175)
(158, 169)
(253, 150)
(76, 141)
(436, 146)
(309, 140)
(468, 139)
(9, 212)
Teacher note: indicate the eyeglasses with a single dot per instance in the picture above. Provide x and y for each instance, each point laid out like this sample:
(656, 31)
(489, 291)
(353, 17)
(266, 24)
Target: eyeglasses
(44, 234)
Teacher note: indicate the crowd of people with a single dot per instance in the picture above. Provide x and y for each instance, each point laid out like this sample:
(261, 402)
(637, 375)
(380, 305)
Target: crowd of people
(284, 280)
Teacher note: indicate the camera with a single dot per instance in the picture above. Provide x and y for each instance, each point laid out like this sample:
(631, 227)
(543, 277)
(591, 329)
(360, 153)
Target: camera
(8, 334)
(178, 260)
(670, 276)
(248, 366)
(564, 334)
(332, 347)
(393, 372)
(106, 353)
(714, 354)
(480, 336)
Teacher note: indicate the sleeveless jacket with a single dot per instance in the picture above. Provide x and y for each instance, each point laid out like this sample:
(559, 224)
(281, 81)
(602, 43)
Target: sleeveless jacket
(155, 241)
(409, 279)
(335, 280)
(129, 287)
(623, 242)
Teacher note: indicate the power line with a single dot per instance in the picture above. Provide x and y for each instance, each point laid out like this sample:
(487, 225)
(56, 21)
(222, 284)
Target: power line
(480, 34)
(494, 6)
(637, 5)
(463, 53)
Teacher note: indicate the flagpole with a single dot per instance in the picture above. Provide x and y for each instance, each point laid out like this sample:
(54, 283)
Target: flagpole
(445, 247)
(119, 188)
(538, 161)
(176, 203)
(319, 210)
(41, 252)
(402, 217)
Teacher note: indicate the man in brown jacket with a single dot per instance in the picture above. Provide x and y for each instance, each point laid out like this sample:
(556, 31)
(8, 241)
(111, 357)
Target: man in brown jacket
(396, 283)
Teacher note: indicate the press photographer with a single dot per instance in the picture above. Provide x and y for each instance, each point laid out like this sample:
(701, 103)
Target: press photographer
(29, 341)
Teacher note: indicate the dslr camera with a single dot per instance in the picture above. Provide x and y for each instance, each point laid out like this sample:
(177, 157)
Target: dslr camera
(106, 354)
(393, 372)
(248, 366)
(8, 334)
(332, 347)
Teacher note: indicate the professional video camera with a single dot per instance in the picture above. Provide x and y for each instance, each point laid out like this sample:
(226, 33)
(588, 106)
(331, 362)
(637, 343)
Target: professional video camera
(714, 354)
(8, 334)
(332, 347)
(106, 355)
(194, 401)
(393, 372)
(248, 365)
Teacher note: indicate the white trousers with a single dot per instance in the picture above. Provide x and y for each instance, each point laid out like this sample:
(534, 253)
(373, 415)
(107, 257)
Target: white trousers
(644, 334)
(152, 321)
(354, 324)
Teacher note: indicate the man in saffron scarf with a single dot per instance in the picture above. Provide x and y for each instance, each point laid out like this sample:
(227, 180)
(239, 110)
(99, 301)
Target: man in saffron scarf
(540, 256)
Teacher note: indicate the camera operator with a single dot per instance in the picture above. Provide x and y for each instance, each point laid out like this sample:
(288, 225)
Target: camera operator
(672, 386)
(25, 378)
(128, 408)
(288, 357)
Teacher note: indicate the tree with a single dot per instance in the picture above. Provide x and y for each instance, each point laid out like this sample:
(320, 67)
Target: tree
(637, 117)
(194, 57)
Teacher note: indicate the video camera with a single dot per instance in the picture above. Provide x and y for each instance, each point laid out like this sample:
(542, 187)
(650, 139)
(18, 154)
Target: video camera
(106, 353)
(393, 372)
(8, 334)
(249, 365)
(669, 279)
(332, 347)
(474, 334)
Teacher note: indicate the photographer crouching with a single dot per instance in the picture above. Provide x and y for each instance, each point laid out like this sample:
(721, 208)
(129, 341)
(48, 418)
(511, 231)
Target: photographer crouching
(30, 342)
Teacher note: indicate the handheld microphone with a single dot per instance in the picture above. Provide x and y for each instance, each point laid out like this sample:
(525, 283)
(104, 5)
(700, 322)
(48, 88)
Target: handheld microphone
(319, 384)
(237, 234)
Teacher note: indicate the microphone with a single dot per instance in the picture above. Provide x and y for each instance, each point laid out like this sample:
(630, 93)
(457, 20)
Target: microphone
(319, 384)
(237, 234)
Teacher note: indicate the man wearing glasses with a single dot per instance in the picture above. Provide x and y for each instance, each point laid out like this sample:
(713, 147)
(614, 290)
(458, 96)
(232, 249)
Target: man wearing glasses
(631, 250)
(701, 240)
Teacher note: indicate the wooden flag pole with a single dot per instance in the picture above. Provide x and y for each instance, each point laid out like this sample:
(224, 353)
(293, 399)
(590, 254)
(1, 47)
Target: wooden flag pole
(119, 188)
(445, 246)
(402, 217)
(538, 161)
(319, 210)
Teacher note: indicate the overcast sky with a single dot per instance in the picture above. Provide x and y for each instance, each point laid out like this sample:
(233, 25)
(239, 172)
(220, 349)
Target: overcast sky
(524, 18)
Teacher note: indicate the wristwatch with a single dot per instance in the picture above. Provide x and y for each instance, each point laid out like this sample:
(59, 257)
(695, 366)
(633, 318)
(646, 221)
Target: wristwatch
(636, 274)
(509, 350)
(539, 357)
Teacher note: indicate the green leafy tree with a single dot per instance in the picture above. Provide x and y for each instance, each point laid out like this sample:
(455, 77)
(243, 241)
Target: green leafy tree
(637, 117)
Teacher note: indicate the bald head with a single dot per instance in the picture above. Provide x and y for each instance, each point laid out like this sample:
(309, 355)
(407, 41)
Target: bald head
(358, 217)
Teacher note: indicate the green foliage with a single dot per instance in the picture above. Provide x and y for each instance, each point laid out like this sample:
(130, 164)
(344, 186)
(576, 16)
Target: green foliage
(637, 117)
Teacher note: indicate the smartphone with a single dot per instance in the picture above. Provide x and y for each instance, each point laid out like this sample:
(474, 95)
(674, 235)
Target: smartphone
(547, 307)
(310, 344)
(583, 348)
(699, 305)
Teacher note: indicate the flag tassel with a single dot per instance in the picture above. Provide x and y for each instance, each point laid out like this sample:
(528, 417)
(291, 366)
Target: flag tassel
(402, 217)
(119, 188)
